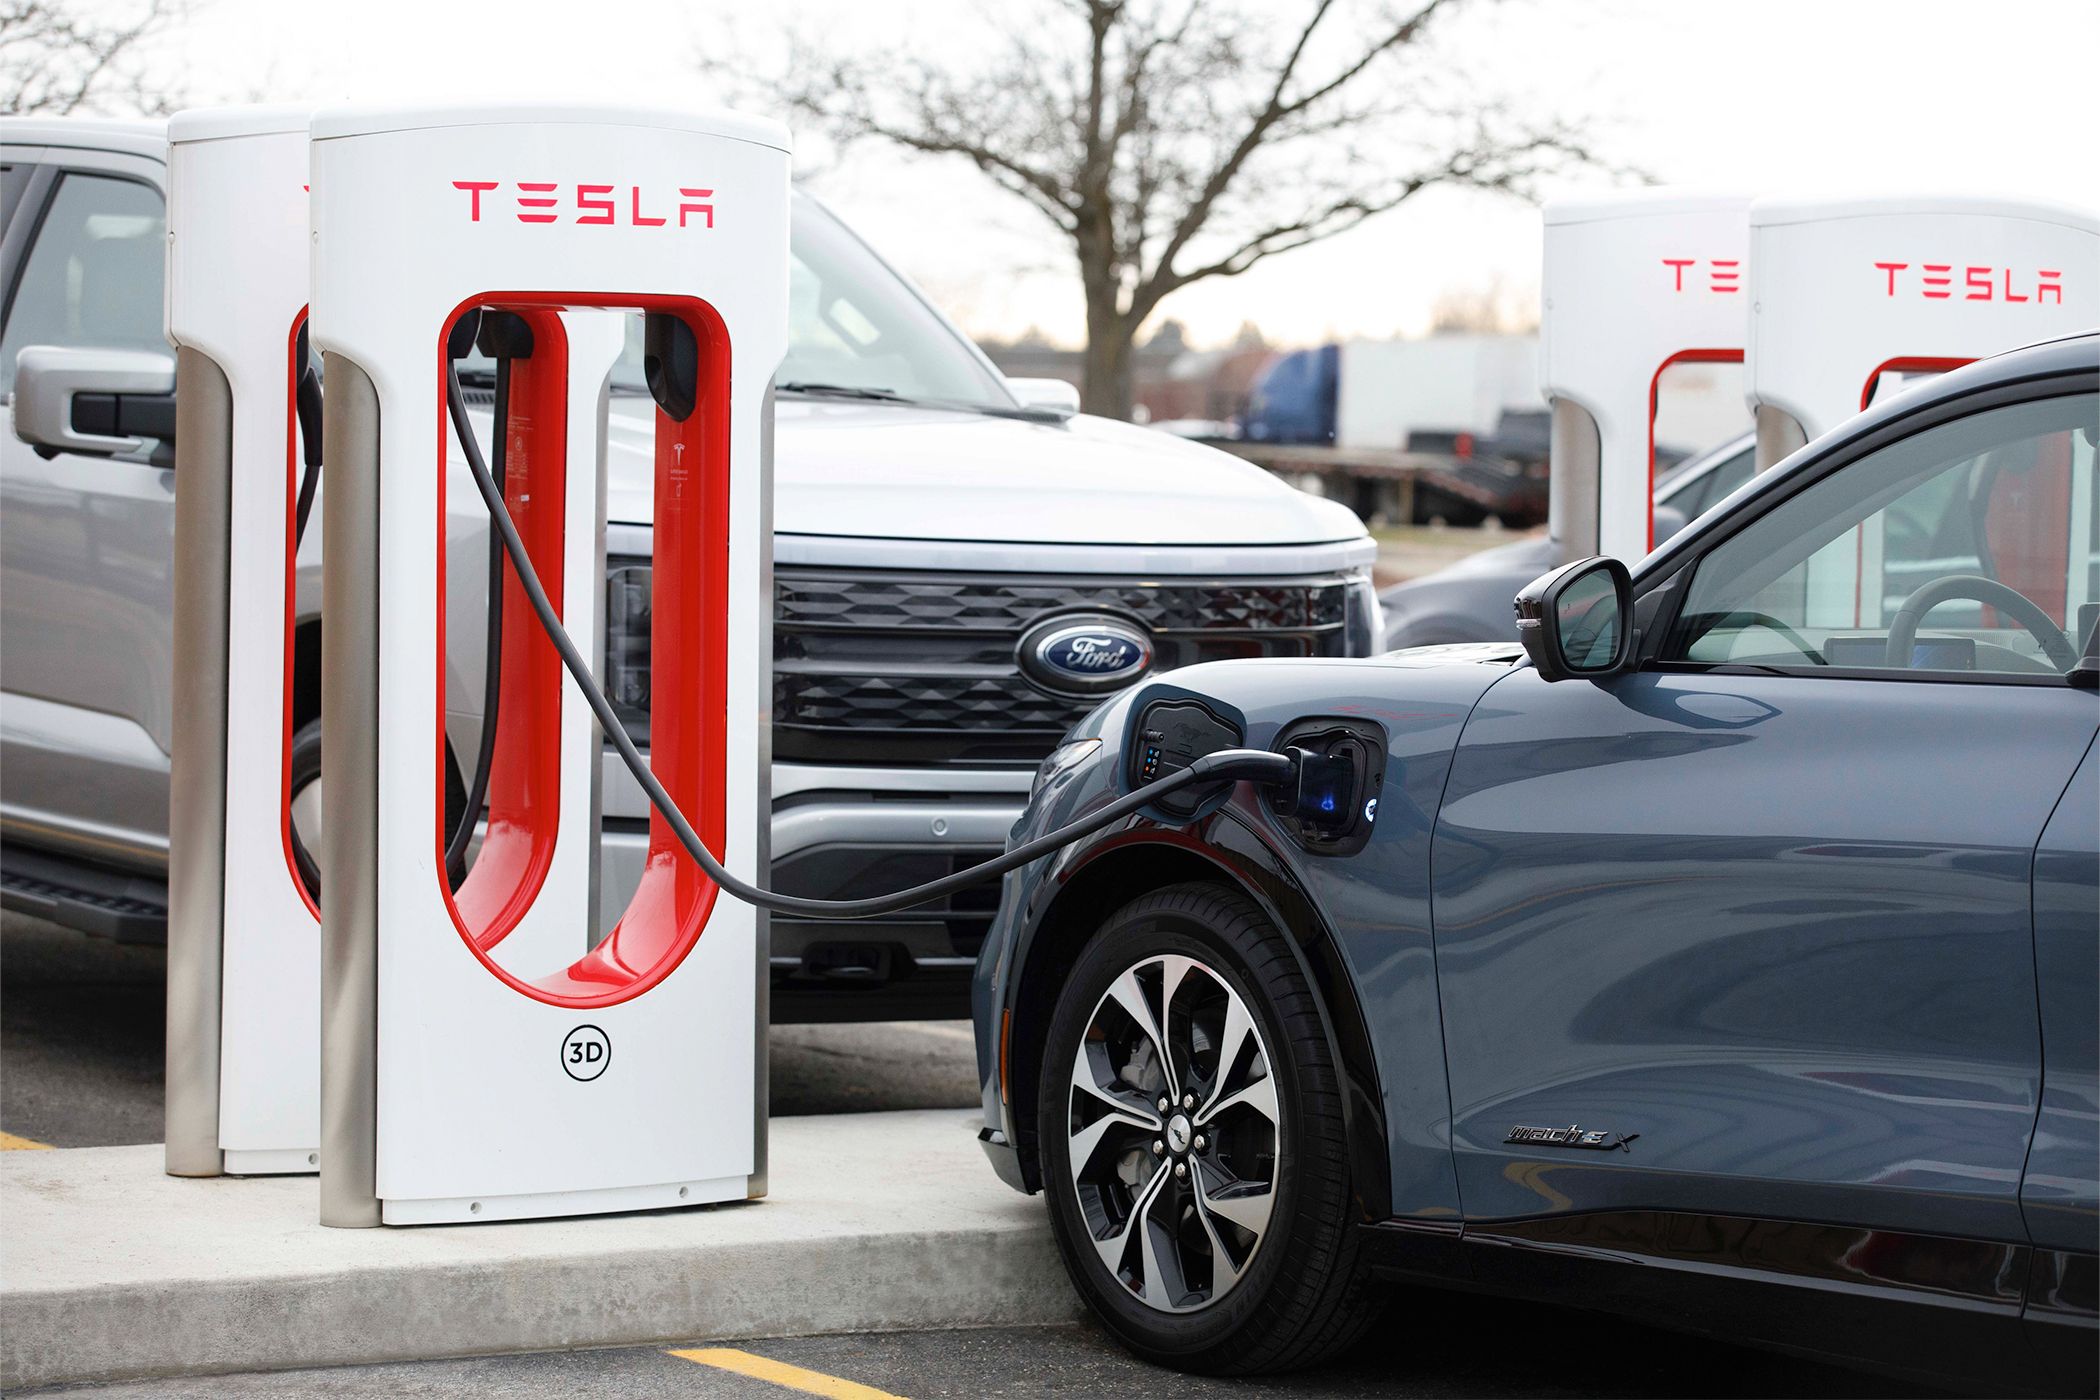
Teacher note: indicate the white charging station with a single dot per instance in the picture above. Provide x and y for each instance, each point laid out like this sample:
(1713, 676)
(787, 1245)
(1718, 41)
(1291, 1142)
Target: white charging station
(461, 1079)
(1634, 282)
(243, 1067)
(1845, 290)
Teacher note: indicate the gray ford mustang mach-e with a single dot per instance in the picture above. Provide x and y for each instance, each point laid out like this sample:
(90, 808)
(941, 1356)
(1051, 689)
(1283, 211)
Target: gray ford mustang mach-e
(1725, 954)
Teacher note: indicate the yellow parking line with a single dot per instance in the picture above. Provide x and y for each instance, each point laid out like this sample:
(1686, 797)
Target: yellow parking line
(10, 1143)
(762, 1368)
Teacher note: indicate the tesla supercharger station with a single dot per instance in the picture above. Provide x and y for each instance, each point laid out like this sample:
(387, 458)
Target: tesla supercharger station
(1634, 283)
(461, 1079)
(243, 1069)
(1845, 291)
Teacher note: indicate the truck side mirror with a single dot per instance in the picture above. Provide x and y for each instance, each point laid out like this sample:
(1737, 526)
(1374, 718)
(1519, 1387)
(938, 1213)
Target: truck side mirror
(1574, 621)
(93, 400)
(1052, 398)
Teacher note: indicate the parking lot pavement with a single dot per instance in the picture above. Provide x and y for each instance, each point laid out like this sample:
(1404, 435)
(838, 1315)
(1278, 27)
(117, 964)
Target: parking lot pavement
(1433, 1345)
(1410, 551)
(80, 1061)
(81, 1047)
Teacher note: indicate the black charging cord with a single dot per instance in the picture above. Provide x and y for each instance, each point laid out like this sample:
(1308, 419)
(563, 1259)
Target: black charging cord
(492, 642)
(1226, 765)
(306, 407)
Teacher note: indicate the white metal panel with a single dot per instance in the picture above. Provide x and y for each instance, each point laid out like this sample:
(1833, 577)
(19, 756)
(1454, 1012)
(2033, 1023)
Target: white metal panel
(1843, 288)
(237, 284)
(1632, 282)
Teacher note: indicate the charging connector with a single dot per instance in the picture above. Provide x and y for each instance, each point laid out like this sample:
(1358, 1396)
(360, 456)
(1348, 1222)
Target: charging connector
(1340, 767)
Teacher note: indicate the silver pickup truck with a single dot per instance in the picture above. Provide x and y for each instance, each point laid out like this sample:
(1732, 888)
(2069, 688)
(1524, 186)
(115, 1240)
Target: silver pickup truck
(957, 582)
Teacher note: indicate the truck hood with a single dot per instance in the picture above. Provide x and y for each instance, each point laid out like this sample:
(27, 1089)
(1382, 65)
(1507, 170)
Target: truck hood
(886, 471)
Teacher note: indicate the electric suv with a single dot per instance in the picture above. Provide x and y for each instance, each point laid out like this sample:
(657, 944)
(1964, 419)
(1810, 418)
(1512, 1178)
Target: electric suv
(963, 568)
(1723, 953)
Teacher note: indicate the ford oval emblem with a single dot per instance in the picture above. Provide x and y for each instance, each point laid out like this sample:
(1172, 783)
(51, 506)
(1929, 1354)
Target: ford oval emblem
(1087, 655)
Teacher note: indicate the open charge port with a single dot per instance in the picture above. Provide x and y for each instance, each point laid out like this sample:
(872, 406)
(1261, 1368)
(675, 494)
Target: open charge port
(1341, 769)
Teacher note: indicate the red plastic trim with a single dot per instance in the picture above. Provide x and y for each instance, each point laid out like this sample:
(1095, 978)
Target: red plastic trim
(1682, 357)
(291, 602)
(524, 793)
(689, 656)
(1935, 364)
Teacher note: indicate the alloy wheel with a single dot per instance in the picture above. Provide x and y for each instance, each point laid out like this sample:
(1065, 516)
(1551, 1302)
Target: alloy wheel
(1175, 1133)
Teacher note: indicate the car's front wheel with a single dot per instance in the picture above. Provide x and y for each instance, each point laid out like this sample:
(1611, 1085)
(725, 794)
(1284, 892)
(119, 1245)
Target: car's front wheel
(1190, 1121)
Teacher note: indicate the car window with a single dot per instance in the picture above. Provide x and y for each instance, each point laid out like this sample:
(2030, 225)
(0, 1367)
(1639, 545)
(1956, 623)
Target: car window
(93, 277)
(14, 183)
(853, 324)
(1974, 544)
(1691, 498)
(1722, 481)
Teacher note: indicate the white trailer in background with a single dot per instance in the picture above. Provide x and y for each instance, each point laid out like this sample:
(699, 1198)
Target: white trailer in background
(1634, 283)
(1459, 383)
(1847, 291)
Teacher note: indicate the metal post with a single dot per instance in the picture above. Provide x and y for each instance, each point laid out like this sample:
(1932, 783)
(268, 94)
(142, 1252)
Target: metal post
(350, 825)
(1575, 463)
(197, 780)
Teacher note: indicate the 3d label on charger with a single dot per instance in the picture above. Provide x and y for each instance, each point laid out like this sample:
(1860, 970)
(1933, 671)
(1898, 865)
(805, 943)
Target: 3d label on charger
(586, 1053)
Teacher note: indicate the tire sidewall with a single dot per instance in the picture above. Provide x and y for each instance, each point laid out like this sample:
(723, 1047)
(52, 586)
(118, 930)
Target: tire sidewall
(1144, 930)
(303, 766)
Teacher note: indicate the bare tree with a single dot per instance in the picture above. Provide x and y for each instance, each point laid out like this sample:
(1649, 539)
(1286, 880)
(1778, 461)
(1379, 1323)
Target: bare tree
(55, 61)
(1175, 140)
(1484, 309)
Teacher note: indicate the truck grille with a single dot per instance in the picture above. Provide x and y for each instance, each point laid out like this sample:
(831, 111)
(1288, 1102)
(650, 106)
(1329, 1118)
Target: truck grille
(887, 666)
(899, 667)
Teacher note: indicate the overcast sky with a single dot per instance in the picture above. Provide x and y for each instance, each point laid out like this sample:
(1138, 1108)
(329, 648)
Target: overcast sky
(1765, 96)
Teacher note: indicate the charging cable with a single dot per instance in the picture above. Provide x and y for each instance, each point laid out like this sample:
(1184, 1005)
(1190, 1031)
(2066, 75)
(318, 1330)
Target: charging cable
(1226, 765)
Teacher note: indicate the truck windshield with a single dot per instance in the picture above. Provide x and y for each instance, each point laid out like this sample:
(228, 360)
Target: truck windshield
(855, 330)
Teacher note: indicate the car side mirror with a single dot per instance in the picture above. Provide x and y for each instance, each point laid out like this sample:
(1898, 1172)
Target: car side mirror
(1052, 398)
(1574, 622)
(93, 400)
(1668, 520)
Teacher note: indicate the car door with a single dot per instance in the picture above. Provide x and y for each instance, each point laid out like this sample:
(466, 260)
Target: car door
(1748, 932)
(86, 542)
(2060, 1192)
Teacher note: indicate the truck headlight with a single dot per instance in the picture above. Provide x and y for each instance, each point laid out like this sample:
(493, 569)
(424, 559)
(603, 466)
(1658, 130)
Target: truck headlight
(1363, 617)
(1061, 758)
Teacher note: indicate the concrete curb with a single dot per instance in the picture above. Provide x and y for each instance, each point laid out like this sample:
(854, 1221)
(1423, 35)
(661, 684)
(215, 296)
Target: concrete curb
(112, 1270)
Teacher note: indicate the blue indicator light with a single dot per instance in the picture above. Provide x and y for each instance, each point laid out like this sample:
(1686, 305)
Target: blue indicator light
(1327, 802)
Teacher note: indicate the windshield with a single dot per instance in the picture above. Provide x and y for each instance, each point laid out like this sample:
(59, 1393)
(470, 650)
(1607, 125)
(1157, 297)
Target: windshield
(854, 328)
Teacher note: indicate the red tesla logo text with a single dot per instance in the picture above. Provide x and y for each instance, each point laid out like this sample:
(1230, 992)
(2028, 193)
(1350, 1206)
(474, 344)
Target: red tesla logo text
(548, 203)
(1938, 282)
(1722, 274)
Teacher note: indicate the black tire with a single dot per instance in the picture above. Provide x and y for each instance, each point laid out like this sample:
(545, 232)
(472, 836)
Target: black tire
(1301, 1296)
(306, 767)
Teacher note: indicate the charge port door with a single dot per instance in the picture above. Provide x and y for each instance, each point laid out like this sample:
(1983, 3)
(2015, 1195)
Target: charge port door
(1172, 734)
